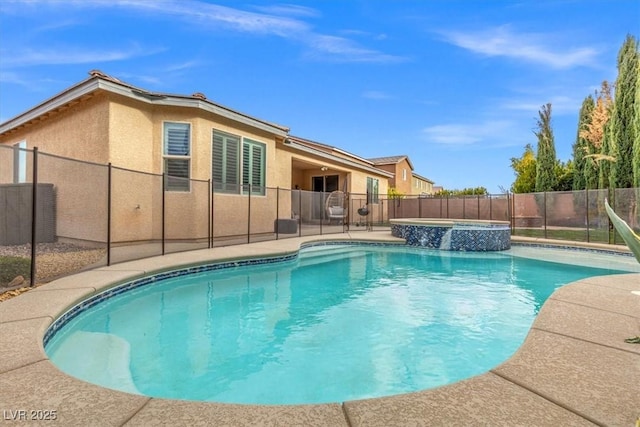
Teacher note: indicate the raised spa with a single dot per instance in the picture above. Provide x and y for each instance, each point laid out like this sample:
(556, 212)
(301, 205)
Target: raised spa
(454, 234)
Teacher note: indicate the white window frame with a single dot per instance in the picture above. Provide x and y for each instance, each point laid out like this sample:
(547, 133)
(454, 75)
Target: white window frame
(176, 183)
(404, 174)
(20, 162)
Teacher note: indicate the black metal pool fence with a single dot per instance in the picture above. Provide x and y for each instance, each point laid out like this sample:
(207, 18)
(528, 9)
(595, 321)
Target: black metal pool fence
(84, 215)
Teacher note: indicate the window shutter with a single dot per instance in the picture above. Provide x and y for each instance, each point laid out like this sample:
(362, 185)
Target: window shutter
(246, 166)
(231, 177)
(253, 160)
(217, 160)
(176, 139)
(257, 169)
(177, 171)
(225, 162)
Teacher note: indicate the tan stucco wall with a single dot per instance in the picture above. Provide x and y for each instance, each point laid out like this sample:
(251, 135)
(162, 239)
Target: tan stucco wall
(79, 132)
(403, 185)
(137, 143)
(420, 186)
(129, 134)
(6, 165)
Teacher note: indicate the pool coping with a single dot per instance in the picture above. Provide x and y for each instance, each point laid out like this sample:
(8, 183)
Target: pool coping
(574, 367)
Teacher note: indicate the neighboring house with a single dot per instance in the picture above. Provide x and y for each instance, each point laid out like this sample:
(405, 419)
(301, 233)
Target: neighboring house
(187, 137)
(422, 185)
(405, 180)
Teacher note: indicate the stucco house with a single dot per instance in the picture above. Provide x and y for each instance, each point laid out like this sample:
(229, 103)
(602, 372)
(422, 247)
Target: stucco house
(401, 168)
(191, 140)
(421, 185)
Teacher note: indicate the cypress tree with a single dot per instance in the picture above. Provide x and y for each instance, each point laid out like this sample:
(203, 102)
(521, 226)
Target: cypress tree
(546, 152)
(580, 147)
(636, 130)
(621, 129)
(609, 149)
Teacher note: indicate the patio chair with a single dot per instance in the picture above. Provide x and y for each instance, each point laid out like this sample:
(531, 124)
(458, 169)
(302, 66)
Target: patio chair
(335, 206)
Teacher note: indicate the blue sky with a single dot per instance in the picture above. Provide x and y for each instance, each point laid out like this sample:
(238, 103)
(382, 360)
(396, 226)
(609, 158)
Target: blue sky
(456, 85)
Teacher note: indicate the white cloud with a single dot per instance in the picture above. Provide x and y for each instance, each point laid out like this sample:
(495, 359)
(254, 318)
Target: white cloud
(281, 20)
(288, 9)
(14, 78)
(559, 105)
(183, 66)
(530, 47)
(377, 95)
(345, 50)
(67, 55)
(467, 134)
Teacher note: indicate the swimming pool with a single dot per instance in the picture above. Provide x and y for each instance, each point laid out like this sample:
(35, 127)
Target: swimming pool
(313, 329)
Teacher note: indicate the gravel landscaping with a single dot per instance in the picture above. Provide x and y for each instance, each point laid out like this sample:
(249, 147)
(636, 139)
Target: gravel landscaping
(53, 260)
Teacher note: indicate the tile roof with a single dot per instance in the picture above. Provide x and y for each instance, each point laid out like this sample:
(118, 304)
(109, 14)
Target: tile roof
(100, 81)
(388, 159)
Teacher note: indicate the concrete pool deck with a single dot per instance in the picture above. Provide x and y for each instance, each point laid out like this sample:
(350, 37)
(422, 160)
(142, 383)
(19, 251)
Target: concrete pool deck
(574, 367)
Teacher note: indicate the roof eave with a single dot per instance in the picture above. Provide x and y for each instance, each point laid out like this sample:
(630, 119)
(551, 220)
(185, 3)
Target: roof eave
(332, 148)
(95, 83)
(346, 162)
(69, 95)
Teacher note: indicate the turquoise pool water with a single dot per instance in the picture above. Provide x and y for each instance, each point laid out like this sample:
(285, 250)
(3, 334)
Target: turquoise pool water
(339, 323)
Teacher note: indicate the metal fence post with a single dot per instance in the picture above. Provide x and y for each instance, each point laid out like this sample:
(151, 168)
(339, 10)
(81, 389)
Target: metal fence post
(277, 211)
(34, 217)
(249, 215)
(213, 218)
(209, 209)
(545, 213)
(163, 213)
(109, 177)
(299, 213)
(510, 210)
(611, 231)
(490, 207)
(447, 206)
(464, 206)
(586, 211)
(322, 198)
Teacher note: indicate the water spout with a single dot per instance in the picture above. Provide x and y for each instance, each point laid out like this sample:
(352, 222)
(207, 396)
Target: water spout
(445, 243)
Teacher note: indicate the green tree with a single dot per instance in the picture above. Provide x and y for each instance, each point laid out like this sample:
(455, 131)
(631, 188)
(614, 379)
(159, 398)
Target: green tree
(546, 152)
(636, 133)
(525, 169)
(393, 193)
(581, 146)
(621, 129)
(477, 191)
(564, 176)
(608, 151)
